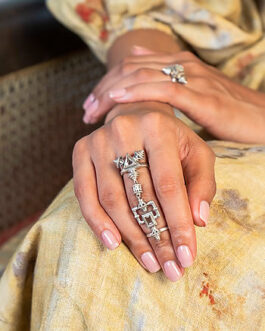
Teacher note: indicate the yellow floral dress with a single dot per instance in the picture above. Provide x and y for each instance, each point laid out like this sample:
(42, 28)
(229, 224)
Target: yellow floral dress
(62, 278)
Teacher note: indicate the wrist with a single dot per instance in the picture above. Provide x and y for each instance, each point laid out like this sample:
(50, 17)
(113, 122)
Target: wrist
(126, 107)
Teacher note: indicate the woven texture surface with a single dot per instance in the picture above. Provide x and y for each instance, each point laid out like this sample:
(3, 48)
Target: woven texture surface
(40, 120)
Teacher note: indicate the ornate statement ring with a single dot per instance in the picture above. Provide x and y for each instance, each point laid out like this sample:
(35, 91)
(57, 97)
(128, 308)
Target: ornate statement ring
(145, 212)
(176, 72)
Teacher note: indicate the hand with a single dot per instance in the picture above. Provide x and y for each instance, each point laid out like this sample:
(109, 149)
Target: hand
(224, 108)
(180, 181)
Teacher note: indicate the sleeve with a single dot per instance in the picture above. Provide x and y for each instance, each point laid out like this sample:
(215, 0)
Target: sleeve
(228, 34)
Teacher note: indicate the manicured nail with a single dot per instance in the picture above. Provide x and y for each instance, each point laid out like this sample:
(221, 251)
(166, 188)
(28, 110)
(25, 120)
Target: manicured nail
(139, 49)
(184, 256)
(94, 105)
(172, 271)
(88, 101)
(204, 211)
(150, 261)
(109, 239)
(90, 109)
(117, 93)
(86, 118)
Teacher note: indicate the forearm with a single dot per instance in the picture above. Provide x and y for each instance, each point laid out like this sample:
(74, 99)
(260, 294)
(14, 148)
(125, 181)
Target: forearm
(141, 37)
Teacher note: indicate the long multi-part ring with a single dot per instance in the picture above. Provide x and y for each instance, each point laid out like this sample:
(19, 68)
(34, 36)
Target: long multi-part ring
(146, 213)
(176, 72)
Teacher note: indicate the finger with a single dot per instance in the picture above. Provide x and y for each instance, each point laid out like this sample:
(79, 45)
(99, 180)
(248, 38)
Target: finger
(117, 77)
(198, 168)
(104, 101)
(190, 99)
(177, 95)
(163, 248)
(86, 193)
(113, 199)
(123, 69)
(110, 76)
(170, 189)
(150, 216)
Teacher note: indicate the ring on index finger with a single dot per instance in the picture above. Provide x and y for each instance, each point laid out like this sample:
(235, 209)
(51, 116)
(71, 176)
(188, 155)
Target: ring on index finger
(146, 213)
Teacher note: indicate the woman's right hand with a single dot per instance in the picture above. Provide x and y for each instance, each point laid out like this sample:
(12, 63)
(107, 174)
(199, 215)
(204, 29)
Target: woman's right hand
(180, 180)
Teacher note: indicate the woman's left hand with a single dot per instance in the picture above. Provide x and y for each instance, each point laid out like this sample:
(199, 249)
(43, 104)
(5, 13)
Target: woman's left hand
(224, 108)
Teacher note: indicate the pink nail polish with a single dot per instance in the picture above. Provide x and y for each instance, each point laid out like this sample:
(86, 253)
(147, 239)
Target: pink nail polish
(86, 118)
(184, 256)
(91, 108)
(88, 101)
(204, 211)
(109, 239)
(117, 93)
(140, 50)
(172, 271)
(150, 261)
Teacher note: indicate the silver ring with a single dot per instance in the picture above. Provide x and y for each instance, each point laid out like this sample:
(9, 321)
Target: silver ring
(176, 72)
(145, 213)
(156, 232)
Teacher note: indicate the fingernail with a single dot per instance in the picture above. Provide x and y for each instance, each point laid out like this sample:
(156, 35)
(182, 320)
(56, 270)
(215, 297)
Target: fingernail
(150, 261)
(88, 101)
(90, 109)
(94, 105)
(117, 93)
(184, 256)
(109, 239)
(172, 271)
(86, 118)
(204, 211)
(139, 49)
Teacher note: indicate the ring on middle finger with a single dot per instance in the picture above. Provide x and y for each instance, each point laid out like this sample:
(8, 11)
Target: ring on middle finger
(149, 211)
(176, 73)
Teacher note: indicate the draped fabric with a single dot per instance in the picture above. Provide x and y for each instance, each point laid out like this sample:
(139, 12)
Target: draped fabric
(228, 34)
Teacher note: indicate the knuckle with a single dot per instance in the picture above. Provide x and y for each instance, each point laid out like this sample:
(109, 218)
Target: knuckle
(142, 74)
(80, 147)
(135, 243)
(126, 68)
(167, 186)
(154, 119)
(108, 199)
(97, 138)
(196, 67)
(188, 55)
(120, 127)
(120, 124)
(127, 59)
(162, 244)
(182, 233)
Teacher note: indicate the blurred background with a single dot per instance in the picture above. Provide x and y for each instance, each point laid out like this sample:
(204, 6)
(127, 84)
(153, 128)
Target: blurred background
(45, 74)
